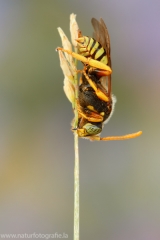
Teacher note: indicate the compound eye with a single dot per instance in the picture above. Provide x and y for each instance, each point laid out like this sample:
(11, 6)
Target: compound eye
(92, 129)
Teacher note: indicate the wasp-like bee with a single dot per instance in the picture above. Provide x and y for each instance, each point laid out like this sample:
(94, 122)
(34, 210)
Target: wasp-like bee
(95, 101)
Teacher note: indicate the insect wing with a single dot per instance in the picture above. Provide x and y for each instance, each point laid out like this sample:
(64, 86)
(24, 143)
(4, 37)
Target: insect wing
(102, 36)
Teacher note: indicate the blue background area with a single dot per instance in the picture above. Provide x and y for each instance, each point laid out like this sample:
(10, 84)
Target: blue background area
(119, 181)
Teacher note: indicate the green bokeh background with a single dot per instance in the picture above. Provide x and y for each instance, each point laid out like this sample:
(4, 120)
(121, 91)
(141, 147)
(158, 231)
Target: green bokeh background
(119, 181)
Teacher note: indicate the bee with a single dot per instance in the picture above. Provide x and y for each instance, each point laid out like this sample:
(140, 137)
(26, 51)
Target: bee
(95, 102)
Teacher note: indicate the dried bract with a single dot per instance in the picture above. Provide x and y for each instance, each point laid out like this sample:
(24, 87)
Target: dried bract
(74, 29)
(69, 90)
(67, 71)
(66, 44)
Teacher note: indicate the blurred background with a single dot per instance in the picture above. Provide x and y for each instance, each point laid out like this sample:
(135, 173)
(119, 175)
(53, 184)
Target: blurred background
(119, 181)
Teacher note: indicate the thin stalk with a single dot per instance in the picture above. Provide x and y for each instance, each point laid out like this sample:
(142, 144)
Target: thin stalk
(76, 167)
(76, 189)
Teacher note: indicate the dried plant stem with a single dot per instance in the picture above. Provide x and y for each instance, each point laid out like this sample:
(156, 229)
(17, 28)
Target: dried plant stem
(76, 189)
(76, 167)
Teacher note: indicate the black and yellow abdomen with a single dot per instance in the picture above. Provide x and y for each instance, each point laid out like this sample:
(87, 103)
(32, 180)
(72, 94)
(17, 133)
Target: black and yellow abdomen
(89, 47)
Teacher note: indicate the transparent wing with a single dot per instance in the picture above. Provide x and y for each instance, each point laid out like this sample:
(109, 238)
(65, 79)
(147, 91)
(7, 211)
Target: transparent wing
(102, 36)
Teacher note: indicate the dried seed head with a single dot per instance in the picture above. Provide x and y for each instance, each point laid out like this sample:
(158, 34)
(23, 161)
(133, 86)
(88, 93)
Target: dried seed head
(74, 29)
(67, 62)
(69, 90)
